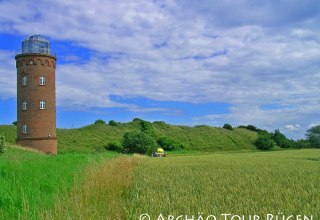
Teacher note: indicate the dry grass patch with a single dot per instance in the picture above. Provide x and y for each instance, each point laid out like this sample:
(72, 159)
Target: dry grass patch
(101, 193)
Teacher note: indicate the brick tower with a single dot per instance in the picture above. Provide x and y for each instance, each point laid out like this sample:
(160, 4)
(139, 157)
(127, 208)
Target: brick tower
(36, 96)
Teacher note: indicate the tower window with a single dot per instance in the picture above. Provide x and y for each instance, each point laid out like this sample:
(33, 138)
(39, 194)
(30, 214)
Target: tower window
(24, 105)
(24, 129)
(24, 80)
(42, 80)
(42, 105)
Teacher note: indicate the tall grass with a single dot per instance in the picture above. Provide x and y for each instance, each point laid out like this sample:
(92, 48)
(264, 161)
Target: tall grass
(30, 181)
(100, 193)
(245, 184)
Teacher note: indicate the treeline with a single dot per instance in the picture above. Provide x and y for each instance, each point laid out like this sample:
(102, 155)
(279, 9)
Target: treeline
(268, 140)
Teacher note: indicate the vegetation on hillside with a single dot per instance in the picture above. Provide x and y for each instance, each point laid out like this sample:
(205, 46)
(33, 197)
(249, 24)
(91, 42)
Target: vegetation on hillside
(100, 136)
(95, 137)
(264, 141)
(2, 144)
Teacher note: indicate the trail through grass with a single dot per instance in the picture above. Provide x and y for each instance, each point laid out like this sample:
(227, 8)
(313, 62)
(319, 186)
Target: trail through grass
(100, 194)
(31, 181)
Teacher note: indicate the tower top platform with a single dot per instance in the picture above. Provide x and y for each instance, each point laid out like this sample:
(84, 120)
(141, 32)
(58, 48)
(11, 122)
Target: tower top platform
(35, 44)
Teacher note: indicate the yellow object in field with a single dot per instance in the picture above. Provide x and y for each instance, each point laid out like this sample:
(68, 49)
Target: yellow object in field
(160, 150)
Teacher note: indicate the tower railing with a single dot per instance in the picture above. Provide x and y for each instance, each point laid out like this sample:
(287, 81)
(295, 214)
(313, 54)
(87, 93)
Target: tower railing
(36, 51)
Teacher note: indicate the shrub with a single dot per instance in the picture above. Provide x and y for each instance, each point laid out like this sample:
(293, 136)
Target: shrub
(281, 140)
(138, 142)
(159, 122)
(99, 121)
(169, 144)
(227, 126)
(252, 128)
(264, 141)
(15, 123)
(2, 144)
(113, 123)
(301, 144)
(313, 136)
(114, 146)
(137, 119)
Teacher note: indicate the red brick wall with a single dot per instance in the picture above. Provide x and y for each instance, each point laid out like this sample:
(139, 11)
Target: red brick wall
(47, 145)
(41, 124)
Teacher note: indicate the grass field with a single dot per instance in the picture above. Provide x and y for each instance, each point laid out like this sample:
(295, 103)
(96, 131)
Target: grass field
(246, 184)
(31, 181)
(110, 186)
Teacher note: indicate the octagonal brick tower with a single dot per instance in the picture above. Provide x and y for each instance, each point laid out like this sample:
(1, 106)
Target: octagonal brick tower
(36, 96)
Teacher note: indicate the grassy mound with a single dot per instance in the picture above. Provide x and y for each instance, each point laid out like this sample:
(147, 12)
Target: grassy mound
(94, 137)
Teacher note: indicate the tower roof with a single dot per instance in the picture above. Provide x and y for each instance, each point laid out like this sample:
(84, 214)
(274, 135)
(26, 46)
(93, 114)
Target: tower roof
(36, 44)
(36, 38)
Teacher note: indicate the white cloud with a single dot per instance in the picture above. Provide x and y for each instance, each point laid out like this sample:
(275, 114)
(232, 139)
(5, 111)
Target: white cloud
(8, 78)
(293, 127)
(181, 51)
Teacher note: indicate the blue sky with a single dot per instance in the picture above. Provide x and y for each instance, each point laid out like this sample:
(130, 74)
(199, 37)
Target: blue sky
(184, 62)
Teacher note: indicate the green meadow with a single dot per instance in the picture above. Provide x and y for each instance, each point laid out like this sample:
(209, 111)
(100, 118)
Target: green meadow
(87, 182)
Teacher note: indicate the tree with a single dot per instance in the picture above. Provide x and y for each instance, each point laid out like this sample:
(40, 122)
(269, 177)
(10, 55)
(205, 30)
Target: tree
(114, 146)
(264, 141)
(168, 144)
(2, 144)
(252, 128)
(15, 123)
(313, 136)
(113, 123)
(281, 140)
(227, 126)
(99, 121)
(138, 142)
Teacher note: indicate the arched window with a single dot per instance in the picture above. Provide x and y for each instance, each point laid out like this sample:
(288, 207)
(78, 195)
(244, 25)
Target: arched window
(24, 80)
(42, 104)
(24, 105)
(24, 129)
(42, 80)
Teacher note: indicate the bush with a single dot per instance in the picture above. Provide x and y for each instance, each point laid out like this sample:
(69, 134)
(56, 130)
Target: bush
(138, 142)
(15, 123)
(169, 144)
(113, 123)
(301, 144)
(114, 146)
(281, 140)
(2, 144)
(252, 128)
(227, 126)
(147, 128)
(264, 141)
(99, 121)
(313, 136)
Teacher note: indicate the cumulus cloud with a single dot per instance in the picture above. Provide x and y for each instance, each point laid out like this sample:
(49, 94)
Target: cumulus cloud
(246, 53)
(8, 79)
(293, 127)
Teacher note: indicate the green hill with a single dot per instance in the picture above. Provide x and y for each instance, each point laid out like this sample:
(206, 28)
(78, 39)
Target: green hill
(94, 137)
